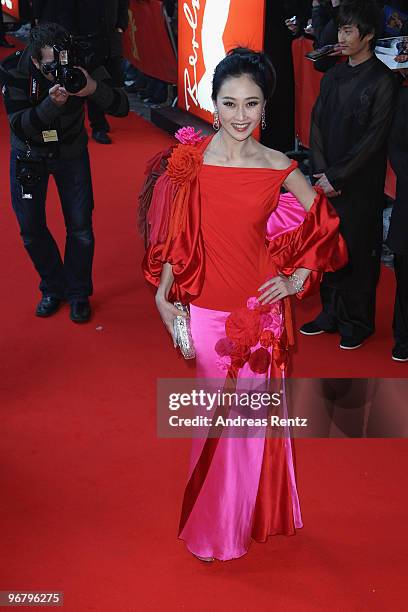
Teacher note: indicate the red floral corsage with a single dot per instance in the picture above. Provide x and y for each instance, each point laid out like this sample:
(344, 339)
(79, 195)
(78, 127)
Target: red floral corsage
(246, 329)
(183, 163)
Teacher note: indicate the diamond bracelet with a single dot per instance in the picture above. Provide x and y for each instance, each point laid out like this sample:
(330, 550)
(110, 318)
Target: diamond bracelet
(297, 282)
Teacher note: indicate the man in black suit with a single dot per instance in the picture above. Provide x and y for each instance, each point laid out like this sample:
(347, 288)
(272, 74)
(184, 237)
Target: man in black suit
(348, 154)
(108, 20)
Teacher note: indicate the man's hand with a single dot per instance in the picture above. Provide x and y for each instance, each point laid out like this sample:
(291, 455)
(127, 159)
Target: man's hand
(292, 25)
(119, 30)
(327, 187)
(401, 59)
(58, 95)
(90, 86)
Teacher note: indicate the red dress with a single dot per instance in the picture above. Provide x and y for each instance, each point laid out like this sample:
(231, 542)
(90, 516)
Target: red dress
(210, 223)
(236, 204)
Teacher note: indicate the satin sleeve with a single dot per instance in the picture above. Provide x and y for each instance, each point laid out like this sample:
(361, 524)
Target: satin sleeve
(182, 249)
(288, 215)
(316, 244)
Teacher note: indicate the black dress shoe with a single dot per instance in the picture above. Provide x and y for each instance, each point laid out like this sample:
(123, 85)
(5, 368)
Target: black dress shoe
(80, 312)
(47, 306)
(349, 344)
(313, 329)
(400, 353)
(6, 44)
(101, 136)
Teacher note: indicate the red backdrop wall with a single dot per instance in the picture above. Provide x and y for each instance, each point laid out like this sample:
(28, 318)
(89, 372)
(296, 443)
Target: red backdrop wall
(147, 41)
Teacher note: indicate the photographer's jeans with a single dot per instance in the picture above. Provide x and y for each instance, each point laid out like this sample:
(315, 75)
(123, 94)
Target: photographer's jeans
(71, 279)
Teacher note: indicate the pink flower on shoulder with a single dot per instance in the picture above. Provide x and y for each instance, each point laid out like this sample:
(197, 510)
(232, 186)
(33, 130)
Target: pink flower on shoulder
(188, 135)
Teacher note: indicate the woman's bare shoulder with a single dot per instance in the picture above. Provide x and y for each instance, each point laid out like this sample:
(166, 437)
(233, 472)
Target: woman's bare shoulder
(276, 160)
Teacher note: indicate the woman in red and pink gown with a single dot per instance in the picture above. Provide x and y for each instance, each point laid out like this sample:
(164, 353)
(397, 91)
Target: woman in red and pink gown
(224, 240)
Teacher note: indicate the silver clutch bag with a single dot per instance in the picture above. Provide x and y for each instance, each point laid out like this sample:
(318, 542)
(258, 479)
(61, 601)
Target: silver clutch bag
(182, 333)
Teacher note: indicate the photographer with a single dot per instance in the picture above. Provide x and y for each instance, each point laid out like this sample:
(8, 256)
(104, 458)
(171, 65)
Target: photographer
(48, 137)
(104, 20)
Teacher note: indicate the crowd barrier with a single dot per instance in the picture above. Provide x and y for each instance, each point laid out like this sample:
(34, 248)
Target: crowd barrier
(147, 41)
(307, 85)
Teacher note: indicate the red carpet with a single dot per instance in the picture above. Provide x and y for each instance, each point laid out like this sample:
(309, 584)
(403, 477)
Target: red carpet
(90, 498)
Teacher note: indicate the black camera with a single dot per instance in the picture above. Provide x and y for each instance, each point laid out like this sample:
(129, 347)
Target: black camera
(29, 173)
(71, 52)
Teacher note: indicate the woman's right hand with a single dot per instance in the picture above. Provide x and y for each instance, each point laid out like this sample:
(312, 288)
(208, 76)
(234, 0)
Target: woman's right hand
(168, 313)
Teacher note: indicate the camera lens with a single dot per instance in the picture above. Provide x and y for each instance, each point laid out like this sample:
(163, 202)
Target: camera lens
(74, 80)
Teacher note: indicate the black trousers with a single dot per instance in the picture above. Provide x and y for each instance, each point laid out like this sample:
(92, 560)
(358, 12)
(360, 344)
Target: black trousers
(400, 322)
(351, 313)
(70, 278)
(96, 115)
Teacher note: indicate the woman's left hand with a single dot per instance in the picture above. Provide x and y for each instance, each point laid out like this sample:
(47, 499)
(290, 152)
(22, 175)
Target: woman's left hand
(276, 289)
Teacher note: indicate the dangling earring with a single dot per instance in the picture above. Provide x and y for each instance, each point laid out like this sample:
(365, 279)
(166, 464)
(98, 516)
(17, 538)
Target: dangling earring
(263, 120)
(216, 122)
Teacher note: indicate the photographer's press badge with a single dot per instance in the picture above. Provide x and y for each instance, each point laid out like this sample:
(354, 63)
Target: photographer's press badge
(50, 136)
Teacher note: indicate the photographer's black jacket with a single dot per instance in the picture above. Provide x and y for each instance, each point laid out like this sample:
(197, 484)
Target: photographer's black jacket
(31, 111)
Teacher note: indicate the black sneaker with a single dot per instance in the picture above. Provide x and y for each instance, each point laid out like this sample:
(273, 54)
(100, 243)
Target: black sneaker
(80, 311)
(47, 306)
(313, 329)
(349, 344)
(399, 353)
